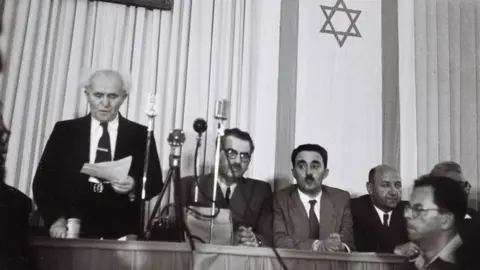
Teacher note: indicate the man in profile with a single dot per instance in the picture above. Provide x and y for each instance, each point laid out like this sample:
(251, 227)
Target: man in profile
(437, 207)
(15, 208)
(378, 222)
(107, 209)
(249, 200)
(310, 215)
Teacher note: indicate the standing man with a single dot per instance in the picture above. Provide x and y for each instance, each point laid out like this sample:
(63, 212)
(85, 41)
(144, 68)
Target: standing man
(249, 200)
(310, 215)
(437, 207)
(378, 222)
(107, 209)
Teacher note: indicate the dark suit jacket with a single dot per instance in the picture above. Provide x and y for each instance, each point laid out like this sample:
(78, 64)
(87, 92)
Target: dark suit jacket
(60, 190)
(468, 254)
(290, 219)
(250, 203)
(370, 235)
(15, 208)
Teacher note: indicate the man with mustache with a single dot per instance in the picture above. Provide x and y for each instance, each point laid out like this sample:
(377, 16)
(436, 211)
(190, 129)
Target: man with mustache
(107, 208)
(436, 209)
(310, 215)
(378, 222)
(249, 200)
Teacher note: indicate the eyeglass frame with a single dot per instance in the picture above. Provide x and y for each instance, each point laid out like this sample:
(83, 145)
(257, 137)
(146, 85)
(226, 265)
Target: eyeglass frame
(4, 137)
(231, 153)
(415, 213)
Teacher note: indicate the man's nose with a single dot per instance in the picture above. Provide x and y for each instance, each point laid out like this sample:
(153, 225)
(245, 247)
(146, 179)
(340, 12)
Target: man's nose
(105, 101)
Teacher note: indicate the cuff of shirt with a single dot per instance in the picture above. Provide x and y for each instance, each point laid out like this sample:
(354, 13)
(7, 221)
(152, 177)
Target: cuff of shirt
(346, 246)
(316, 245)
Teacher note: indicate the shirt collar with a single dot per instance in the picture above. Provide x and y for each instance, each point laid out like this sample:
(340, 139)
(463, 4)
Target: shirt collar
(447, 253)
(111, 125)
(306, 198)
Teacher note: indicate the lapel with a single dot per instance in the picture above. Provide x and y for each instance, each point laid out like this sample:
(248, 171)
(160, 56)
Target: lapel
(298, 215)
(81, 148)
(122, 144)
(374, 219)
(240, 197)
(328, 215)
(206, 184)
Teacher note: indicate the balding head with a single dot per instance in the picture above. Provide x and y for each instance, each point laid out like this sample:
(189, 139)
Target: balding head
(385, 187)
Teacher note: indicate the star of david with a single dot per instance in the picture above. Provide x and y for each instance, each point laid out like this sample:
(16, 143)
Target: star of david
(352, 15)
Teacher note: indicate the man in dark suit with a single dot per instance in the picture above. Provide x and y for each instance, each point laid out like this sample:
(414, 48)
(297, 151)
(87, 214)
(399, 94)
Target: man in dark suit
(310, 215)
(15, 208)
(249, 200)
(107, 208)
(378, 222)
(436, 209)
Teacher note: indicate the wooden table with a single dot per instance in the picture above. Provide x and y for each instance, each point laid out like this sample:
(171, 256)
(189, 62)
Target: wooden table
(64, 254)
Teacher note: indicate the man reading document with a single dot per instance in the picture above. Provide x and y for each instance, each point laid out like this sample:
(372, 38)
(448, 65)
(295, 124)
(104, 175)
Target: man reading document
(106, 208)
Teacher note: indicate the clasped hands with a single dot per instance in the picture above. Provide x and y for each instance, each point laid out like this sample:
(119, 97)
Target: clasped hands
(245, 237)
(332, 244)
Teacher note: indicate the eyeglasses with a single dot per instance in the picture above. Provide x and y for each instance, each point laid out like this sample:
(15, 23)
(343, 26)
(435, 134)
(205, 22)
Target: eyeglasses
(416, 210)
(4, 137)
(244, 156)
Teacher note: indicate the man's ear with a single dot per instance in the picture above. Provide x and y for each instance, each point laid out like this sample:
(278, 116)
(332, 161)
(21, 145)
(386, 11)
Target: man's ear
(448, 221)
(325, 173)
(369, 187)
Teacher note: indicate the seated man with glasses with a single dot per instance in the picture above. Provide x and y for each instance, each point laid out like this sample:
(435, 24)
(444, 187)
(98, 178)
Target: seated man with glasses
(15, 208)
(249, 200)
(436, 209)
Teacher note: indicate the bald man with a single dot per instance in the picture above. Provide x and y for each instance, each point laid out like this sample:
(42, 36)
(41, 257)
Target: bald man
(107, 208)
(378, 221)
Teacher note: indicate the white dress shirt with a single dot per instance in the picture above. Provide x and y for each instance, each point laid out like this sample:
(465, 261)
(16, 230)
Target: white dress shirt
(96, 132)
(306, 203)
(224, 187)
(381, 213)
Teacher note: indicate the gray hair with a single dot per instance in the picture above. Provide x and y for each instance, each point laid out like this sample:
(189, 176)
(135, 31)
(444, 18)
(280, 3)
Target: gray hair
(109, 74)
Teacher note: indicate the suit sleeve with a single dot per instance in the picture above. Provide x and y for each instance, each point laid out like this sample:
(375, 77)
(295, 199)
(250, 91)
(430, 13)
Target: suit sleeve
(346, 230)
(264, 224)
(154, 175)
(46, 179)
(281, 236)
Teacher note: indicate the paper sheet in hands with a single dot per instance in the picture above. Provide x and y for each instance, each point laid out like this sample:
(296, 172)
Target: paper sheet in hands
(200, 226)
(110, 170)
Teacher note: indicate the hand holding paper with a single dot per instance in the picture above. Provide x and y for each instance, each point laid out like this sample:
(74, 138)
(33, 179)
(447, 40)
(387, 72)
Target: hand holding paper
(111, 171)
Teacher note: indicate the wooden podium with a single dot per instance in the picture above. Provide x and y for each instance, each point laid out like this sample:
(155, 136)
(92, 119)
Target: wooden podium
(82, 254)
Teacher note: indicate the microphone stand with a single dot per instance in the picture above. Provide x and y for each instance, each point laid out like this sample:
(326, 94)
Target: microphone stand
(144, 203)
(176, 138)
(220, 133)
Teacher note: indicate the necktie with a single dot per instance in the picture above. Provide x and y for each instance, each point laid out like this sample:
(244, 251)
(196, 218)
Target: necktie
(313, 221)
(103, 149)
(227, 195)
(385, 220)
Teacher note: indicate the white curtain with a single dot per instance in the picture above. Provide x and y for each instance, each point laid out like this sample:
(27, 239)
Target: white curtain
(190, 56)
(440, 86)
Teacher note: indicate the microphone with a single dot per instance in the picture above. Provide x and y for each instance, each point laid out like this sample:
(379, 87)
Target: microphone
(200, 126)
(176, 138)
(152, 109)
(222, 108)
